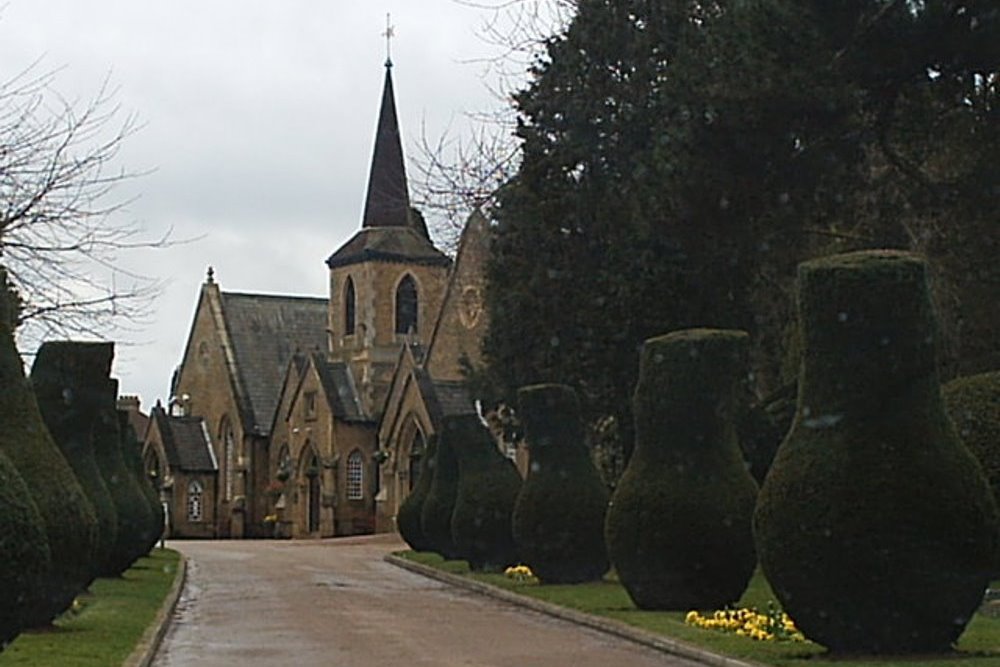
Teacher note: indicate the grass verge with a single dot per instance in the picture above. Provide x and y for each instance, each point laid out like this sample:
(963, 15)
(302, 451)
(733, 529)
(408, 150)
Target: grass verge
(107, 622)
(979, 646)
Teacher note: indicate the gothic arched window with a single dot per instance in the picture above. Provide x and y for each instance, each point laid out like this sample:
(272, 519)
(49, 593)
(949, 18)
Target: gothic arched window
(406, 306)
(228, 457)
(356, 476)
(195, 501)
(350, 307)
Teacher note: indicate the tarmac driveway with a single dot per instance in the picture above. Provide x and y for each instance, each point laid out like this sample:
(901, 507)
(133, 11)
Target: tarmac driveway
(335, 603)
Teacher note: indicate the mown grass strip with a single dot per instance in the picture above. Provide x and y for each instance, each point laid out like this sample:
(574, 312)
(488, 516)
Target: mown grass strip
(110, 622)
(979, 646)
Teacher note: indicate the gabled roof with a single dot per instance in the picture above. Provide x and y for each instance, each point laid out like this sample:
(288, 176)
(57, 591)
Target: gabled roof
(186, 442)
(265, 331)
(341, 392)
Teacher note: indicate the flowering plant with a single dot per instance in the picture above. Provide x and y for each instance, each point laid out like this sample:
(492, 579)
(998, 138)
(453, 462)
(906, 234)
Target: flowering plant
(521, 574)
(775, 625)
(271, 518)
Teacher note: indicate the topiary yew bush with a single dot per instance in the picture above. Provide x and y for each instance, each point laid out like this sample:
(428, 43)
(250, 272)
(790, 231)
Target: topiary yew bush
(408, 516)
(488, 485)
(134, 516)
(875, 525)
(63, 377)
(679, 526)
(67, 515)
(439, 505)
(558, 519)
(973, 404)
(132, 455)
(24, 551)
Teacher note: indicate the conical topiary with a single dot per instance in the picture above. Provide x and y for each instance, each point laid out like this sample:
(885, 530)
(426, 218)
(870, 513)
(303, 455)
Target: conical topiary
(488, 485)
(134, 517)
(408, 517)
(67, 515)
(439, 505)
(679, 526)
(63, 377)
(24, 551)
(558, 519)
(132, 454)
(875, 525)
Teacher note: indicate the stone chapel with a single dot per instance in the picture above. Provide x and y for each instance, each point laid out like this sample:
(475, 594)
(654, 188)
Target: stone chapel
(306, 417)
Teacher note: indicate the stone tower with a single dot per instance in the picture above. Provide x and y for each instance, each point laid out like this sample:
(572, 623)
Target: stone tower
(388, 280)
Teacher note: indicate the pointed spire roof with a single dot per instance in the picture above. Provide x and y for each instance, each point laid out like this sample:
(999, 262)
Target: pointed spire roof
(387, 203)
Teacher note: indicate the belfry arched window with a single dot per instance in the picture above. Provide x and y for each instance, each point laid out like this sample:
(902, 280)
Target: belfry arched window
(356, 476)
(350, 307)
(195, 501)
(406, 306)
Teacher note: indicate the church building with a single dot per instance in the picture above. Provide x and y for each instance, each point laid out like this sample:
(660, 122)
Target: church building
(314, 411)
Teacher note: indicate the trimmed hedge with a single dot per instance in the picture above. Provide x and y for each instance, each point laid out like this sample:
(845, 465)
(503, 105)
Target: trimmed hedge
(558, 519)
(63, 377)
(875, 526)
(488, 485)
(134, 517)
(679, 526)
(132, 454)
(24, 550)
(68, 517)
(439, 505)
(973, 404)
(408, 516)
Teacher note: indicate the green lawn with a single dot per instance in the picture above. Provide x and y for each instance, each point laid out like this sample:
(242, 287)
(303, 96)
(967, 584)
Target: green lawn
(978, 647)
(109, 623)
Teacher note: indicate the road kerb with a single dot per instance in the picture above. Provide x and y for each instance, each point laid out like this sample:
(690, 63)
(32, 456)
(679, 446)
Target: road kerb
(606, 625)
(145, 651)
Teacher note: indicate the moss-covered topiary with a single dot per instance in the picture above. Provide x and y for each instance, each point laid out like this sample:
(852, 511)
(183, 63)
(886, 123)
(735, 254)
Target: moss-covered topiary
(439, 505)
(408, 517)
(488, 485)
(679, 525)
(67, 515)
(558, 519)
(875, 525)
(134, 516)
(24, 551)
(64, 377)
(132, 454)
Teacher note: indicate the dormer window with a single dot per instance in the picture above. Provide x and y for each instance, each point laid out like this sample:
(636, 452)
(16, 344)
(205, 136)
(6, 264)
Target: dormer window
(350, 304)
(406, 306)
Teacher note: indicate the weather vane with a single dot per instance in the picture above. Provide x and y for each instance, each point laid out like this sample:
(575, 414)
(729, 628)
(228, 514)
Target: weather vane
(389, 33)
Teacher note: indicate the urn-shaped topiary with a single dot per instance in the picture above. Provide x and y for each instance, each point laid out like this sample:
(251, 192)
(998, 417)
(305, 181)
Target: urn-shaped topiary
(875, 525)
(134, 516)
(679, 526)
(439, 505)
(408, 516)
(132, 454)
(62, 377)
(67, 515)
(488, 485)
(24, 551)
(558, 519)
(973, 403)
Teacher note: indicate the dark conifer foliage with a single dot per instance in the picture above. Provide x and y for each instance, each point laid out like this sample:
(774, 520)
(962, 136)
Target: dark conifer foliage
(408, 517)
(559, 515)
(67, 515)
(132, 454)
(488, 486)
(875, 525)
(439, 505)
(63, 376)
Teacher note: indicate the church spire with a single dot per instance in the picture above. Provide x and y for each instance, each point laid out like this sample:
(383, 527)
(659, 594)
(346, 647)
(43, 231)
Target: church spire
(387, 203)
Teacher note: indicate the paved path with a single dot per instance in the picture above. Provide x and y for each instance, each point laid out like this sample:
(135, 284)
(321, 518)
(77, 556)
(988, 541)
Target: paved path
(335, 603)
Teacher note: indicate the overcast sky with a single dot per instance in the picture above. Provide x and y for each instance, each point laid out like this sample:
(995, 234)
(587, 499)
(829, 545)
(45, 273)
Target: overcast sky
(257, 123)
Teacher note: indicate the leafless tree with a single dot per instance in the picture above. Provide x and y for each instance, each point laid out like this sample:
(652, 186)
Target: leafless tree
(461, 170)
(62, 224)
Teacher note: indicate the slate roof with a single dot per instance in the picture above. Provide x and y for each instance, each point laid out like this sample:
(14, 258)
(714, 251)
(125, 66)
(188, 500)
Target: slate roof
(387, 202)
(265, 331)
(338, 385)
(185, 441)
(388, 244)
(454, 399)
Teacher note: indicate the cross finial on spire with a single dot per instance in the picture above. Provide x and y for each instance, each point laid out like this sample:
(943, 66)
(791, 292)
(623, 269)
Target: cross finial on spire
(389, 33)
